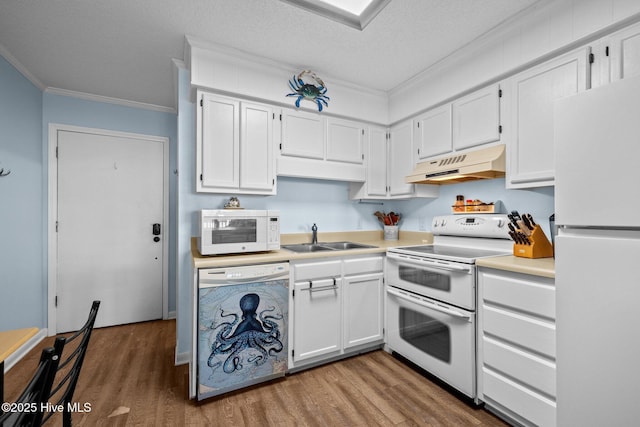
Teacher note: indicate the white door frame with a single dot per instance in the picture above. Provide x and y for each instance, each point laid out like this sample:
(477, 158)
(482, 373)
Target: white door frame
(52, 250)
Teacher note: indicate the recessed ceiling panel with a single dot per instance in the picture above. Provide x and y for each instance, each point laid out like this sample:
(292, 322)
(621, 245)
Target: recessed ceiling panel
(354, 13)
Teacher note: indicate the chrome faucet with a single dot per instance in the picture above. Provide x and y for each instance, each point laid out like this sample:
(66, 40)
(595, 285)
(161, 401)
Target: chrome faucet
(314, 235)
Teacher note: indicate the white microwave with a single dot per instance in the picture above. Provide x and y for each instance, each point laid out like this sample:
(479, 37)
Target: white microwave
(226, 231)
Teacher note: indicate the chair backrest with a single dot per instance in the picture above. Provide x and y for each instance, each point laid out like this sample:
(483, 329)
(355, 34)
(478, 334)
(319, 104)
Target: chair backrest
(69, 367)
(36, 394)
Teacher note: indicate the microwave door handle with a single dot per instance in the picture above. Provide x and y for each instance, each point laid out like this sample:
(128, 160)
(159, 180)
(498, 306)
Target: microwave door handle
(432, 306)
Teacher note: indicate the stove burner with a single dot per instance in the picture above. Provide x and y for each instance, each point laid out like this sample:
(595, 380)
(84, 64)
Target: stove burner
(462, 254)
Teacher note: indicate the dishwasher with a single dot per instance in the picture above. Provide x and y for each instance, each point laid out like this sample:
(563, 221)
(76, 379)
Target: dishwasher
(242, 327)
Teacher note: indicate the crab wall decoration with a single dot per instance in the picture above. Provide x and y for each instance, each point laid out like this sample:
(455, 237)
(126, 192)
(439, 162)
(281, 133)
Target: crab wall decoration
(303, 89)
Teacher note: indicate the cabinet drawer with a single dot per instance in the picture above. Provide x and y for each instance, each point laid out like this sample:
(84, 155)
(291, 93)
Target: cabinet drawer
(524, 402)
(534, 334)
(525, 367)
(316, 270)
(363, 265)
(537, 297)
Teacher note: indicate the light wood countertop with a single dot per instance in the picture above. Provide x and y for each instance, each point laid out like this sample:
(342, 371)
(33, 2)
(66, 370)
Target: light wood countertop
(10, 341)
(544, 267)
(373, 238)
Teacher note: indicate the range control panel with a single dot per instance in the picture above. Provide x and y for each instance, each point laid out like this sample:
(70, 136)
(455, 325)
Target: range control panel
(472, 225)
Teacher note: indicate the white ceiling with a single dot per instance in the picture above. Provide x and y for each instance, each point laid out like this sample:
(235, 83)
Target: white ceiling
(123, 48)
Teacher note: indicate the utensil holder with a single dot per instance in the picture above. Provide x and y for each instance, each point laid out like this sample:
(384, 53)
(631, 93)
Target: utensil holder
(391, 232)
(540, 246)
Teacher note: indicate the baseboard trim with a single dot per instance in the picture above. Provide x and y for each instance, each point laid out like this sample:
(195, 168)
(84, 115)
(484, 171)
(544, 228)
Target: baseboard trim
(182, 358)
(25, 348)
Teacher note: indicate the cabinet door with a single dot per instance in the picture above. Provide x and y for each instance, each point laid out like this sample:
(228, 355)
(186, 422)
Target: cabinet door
(476, 118)
(344, 141)
(433, 132)
(362, 309)
(256, 149)
(376, 161)
(531, 160)
(317, 318)
(401, 159)
(625, 53)
(303, 134)
(220, 145)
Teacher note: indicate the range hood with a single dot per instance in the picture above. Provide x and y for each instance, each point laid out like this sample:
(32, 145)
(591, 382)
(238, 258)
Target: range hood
(485, 163)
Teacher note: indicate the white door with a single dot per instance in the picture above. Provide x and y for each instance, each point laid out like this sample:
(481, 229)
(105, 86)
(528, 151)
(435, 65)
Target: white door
(534, 92)
(476, 118)
(597, 325)
(377, 162)
(401, 159)
(110, 195)
(256, 147)
(303, 134)
(363, 309)
(220, 143)
(344, 141)
(433, 132)
(316, 318)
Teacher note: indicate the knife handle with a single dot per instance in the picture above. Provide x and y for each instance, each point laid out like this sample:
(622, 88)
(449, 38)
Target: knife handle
(530, 218)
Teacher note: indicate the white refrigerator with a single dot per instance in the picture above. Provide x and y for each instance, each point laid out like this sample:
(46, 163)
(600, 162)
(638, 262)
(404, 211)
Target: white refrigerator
(597, 202)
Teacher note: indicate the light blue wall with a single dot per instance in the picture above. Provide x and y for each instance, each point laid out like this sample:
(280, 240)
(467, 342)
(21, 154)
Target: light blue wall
(25, 114)
(303, 202)
(79, 112)
(418, 214)
(22, 272)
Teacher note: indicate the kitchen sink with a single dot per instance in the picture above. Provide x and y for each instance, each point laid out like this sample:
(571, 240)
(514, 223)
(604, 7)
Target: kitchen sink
(345, 245)
(306, 247)
(326, 246)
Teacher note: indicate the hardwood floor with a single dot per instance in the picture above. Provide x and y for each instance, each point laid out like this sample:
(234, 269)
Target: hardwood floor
(129, 378)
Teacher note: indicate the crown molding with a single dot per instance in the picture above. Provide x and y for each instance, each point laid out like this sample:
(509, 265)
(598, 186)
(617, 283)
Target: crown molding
(236, 55)
(21, 68)
(109, 100)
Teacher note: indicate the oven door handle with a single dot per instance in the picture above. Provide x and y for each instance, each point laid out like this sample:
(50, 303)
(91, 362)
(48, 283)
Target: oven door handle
(442, 265)
(416, 299)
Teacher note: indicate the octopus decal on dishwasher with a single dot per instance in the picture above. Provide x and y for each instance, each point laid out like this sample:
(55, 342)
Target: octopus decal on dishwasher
(256, 331)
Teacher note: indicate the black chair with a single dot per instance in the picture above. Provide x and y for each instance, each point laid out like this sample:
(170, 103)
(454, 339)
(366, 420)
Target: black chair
(35, 395)
(68, 369)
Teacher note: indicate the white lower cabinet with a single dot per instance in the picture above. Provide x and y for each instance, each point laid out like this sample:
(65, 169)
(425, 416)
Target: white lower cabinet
(336, 308)
(516, 346)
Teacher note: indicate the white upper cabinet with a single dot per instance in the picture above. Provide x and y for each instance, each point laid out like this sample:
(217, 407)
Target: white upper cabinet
(345, 141)
(389, 159)
(401, 159)
(315, 146)
(234, 150)
(624, 51)
(256, 147)
(530, 96)
(219, 143)
(476, 118)
(433, 132)
(303, 134)
(376, 162)
(471, 120)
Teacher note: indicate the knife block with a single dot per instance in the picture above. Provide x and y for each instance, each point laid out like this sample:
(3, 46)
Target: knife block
(540, 246)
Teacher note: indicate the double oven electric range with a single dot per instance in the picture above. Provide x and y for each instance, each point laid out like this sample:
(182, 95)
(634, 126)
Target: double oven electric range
(431, 295)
